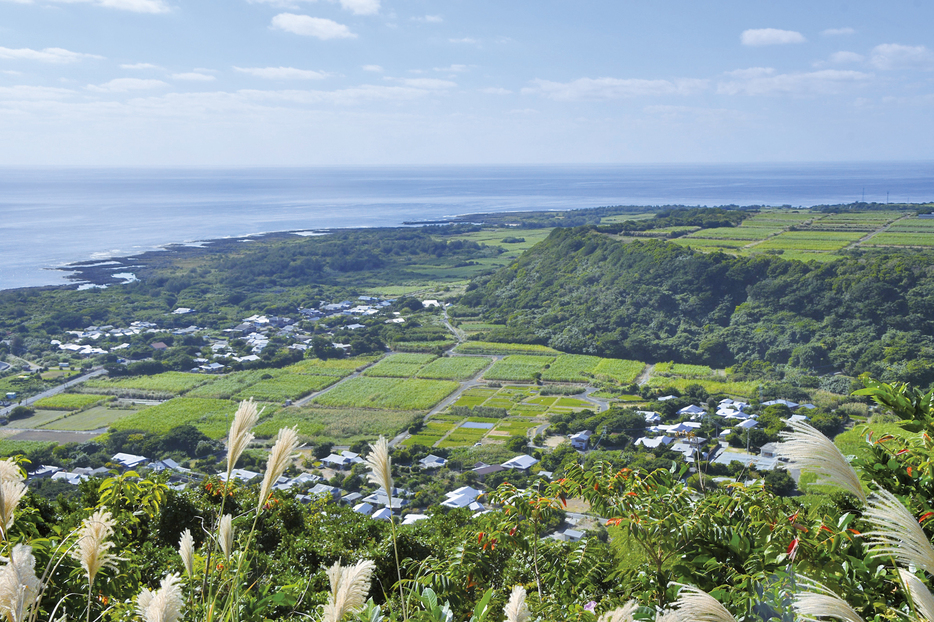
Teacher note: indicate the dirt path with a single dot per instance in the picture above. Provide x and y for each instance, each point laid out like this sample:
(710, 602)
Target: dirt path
(645, 375)
(873, 234)
(4, 412)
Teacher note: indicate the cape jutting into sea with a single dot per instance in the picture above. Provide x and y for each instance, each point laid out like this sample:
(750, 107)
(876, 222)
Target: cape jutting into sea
(54, 216)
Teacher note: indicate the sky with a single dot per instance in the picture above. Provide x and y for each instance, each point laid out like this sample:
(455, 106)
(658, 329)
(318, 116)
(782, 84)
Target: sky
(413, 82)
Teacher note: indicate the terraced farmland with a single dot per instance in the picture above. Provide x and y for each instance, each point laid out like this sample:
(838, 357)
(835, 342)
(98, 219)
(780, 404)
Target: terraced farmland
(403, 365)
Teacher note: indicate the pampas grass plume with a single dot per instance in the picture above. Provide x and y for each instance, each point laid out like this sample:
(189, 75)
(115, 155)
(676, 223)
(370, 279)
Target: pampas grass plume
(920, 595)
(186, 549)
(93, 546)
(240, 436)
(696, 605)
(380, 465)
(225, 535)
(162, 605)
(10, 471)
(811, 606)
(11, 492)
(349, 587)
(286, 444)
(19, 585)
(620, 614)
(811, 450)
(897, 532)
(516, 610)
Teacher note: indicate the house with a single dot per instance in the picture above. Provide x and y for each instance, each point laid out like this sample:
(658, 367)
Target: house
(692, 410)
(658, 441)
(666, 398)
(651, 417)
(411, 519)
(44, 472)
(351, 498)
(769, 450)
(363, 508)
(748, 424)
(336, 461)
(487, 469)
(432, 461)
(212, 368)
(168, 465)
(570, 535)
(431, 303)
(159, 346)
(72, 478)
(791, 405)
(129, 461)
(382, 514)
(461, 498)
(760, 463)
(354, 458)
(379, 498)
(521, 462)
(323, 490)
(581, 440)
(240, 475)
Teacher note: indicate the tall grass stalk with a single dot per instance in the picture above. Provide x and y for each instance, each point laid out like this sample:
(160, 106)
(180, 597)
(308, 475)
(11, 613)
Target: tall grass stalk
(811, 450)
(380, 474)
(516, 610)
(696, 605)
(19, 586)
(920, 595)
(349, 587)
(620, 614)
(897, 533)
(93, 548)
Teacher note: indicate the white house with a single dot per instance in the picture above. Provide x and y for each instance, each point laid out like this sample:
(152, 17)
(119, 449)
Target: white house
(129, 461)
(580, 440)
(411, 519)
(692, 410)
(652, 443)
(461, 498)
(522, 462)
(382, 514)
(432, 461)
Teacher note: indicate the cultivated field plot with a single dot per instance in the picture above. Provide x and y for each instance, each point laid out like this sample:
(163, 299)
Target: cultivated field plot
(734, 233)
(571, 368)
(454, 368)
(346, 425)
(778, 219)
(403, 365)
(225, 387)
(421, 346)
(487, 347)
(181, 411)
(474, 327)
(69, 401)
(331, 367)
(887, 238)
(623, 371)
(711, 245)
(431, 433)
(518, 368)
(389, 393)
(680, 369)
(286, 387)
(91, 419)
(169, 382)
(810, 241)
(740, 389)
(39, 419)
(913, 225)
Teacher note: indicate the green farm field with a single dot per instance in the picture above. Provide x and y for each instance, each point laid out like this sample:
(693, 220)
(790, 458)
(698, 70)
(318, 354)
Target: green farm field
(388, 393)
(91, 419)
(741, 389)
(287, 386)
(225, 387)
(571, 368)
(888, 238)
(486, 347)
(37, 420)
(402, 365)
(331, 367)
(734, 233)
(454, 368)
(346, 425)
(518, 368)
(69, 401)
(204, 414)
(169, 382)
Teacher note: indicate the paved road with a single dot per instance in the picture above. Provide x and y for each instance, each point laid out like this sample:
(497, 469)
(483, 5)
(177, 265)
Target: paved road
(100, 371)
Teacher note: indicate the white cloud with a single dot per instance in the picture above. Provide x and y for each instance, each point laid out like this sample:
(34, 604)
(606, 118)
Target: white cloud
(361, 7)
(47, 55)
(613, 88)
(770, 36)
(375, 68)
(846, 57)
(428, 83)
(453, 68)
(752, 72)
(493, 90)
(193, 76)
(429, 19)
(826, 81)
(463, 40)
(33, 92)
(122, 85)
(319, 27)
(10, 72)
(340, 97)
(140, 66)
(835, 32)
(282, 73)
(895, 56)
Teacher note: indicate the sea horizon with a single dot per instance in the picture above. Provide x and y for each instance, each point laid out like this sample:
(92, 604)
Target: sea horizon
(57, 215)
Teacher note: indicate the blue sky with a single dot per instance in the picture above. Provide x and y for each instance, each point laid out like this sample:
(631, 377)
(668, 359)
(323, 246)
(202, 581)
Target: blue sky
(385, 82)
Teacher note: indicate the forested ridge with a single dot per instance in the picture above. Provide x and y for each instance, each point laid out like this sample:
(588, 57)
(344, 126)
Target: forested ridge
(585, 292)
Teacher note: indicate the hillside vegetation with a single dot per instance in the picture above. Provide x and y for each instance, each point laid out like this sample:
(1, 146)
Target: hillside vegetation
(584, 292)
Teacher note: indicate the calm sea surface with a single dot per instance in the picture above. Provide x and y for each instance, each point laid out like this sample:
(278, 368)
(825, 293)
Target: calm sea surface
(50, 216)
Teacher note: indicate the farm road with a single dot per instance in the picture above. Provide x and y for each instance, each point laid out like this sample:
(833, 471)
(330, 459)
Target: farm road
(5, 412)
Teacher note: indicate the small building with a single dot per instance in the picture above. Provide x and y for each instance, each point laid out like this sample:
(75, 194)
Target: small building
(411, 519)
(581, 440)
(570, 535)
(129, 461)
(769, 450)
(653, 443)
(363, 508)
(432, 461)
(240, 475)
(522, 462)
(487, 469)
(692, 410)
(158, 345)
(382, 514)
(461, 498)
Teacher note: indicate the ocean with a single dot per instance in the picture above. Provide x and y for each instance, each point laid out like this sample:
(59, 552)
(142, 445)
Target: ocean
(50, 217)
